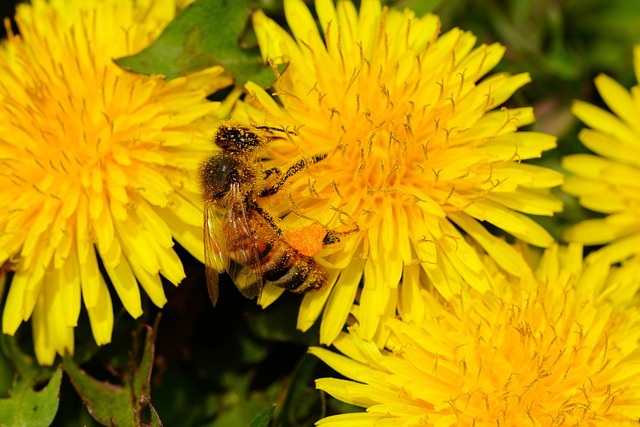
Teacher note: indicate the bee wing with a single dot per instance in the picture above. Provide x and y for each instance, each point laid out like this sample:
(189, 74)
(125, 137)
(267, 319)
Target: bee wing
(216, 258)
(243, 245)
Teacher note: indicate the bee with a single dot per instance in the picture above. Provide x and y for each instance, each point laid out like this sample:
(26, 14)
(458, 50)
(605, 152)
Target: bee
(240, 237)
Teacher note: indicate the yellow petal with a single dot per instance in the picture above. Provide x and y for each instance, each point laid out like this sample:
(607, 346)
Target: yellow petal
(12, 314)
(269, 294)
(302, 24)
(603, 121)
(311, 307)
(602, 144)
(618, 100)
(340, 301)
(126, 286)
(151, 284)
(503, 253)
(101, 315)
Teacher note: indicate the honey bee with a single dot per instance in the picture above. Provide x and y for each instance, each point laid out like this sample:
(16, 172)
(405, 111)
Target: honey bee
(240, 237)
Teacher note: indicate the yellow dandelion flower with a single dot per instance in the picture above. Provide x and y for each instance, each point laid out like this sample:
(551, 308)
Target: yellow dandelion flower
(607, 181)
(98, 165)
(557, 350)
(417, 150)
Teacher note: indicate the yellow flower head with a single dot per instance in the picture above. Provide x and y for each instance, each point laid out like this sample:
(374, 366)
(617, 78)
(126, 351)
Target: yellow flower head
(607, 181)
(417, 150)
(557, 350)
(98, 165)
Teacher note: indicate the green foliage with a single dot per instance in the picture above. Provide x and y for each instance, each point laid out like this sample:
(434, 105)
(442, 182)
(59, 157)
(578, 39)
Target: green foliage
(301, 401)
(241, 406)
(33, 396)
(28, 407)
(206, 34)
(263, 419)
(420, 7)
(111, 404)
(278, 324)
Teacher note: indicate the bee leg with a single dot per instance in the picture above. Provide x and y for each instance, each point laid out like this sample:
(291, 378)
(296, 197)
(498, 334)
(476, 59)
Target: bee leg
(333, 236)
(294, 169)
(253, 205)
(272, 171)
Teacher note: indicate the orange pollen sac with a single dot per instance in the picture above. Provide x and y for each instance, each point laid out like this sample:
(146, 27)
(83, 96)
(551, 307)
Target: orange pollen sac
(306, 240)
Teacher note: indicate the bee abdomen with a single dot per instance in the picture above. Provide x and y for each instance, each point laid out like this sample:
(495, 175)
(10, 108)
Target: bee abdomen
(303, 275)
(242, 250)
(287, 268)
(276, 262)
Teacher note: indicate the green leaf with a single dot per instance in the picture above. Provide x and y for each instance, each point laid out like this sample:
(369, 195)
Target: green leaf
(301, 403)
(155, 418)
(238, 405)
(112, 404)
(263, 419)
(204, 35)
(420, 7)
(27, 407)
(278, 323)
(28, 402)
(23, 364)
(6, 375)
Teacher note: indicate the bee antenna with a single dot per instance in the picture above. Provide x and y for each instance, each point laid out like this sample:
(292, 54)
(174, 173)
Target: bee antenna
(275, 129)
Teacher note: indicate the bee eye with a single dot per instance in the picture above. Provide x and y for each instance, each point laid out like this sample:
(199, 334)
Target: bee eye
(248, 139)
(236, 138)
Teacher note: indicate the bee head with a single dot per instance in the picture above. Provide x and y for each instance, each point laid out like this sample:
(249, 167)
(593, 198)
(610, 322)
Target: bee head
(237, 137)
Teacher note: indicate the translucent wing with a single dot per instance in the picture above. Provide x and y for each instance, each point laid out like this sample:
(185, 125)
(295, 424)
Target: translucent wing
(216, 258)
(244, 244)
